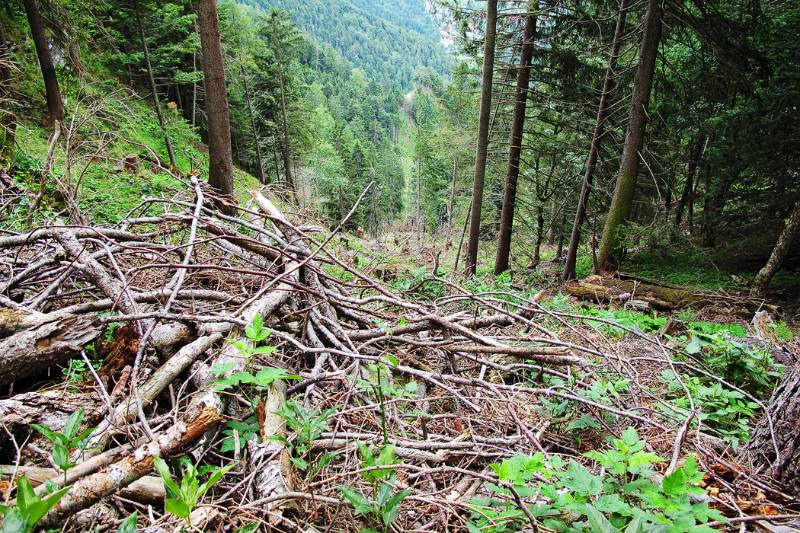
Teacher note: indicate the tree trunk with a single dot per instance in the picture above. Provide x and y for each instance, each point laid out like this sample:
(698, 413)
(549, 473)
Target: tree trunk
(537, 251)
(790, 231)
(153, 89)
(483, 137)
(220, 167)
(261, 175)
(54, 104)
(515, 144)
(695, 149)
(419, 200)
(599, 133)
(784, 410)
(448, 241)
(287, 154)
(194, 87)
(622, 200)
(8, 121)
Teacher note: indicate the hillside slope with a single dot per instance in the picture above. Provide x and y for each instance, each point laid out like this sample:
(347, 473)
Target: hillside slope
(386, 39)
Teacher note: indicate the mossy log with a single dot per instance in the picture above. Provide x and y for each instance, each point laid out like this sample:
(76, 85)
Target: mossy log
(606, 289)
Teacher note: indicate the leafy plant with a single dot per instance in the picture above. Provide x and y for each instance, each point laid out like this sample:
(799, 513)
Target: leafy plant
(307, 426)
(66, 441)
(747, 367)
(247, 429)
(182, 498)
(129, 524)
(260, 381)
(569, 498)
(384, 505)
(726, 412)
(29, 508)
(255, 333)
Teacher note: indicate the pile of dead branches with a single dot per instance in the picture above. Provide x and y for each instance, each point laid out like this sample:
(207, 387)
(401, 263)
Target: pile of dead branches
(164, 300)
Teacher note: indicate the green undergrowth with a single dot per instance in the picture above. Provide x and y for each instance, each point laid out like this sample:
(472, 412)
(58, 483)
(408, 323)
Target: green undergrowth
(107, 122)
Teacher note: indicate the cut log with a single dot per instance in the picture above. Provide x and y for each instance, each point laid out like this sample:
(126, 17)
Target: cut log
(33, 351)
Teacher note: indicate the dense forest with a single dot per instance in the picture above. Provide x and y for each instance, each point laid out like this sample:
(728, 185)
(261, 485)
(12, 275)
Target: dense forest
(422, 265)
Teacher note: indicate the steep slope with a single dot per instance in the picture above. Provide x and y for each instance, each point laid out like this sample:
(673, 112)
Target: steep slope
(388, 40)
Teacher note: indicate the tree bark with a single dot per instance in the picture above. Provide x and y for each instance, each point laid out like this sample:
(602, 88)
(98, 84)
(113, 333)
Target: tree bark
(622, 200)
(594, 150)
(784, 410)
(33, 351)
(8, 121)
(260, 159)
(790, 231)
(54, 104)
(153, 89)
(483, 137)
(287, 153)
(220, 171)
(515, 144)
(448, 241)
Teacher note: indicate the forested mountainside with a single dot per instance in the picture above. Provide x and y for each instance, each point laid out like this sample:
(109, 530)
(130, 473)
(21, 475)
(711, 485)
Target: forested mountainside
(277, 266)
(386, 39)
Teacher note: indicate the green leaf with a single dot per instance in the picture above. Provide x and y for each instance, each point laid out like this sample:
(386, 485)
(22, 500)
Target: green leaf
(694, 346)
(392, 507)
(73, 423)
(177, 507)
(25, 494)
(580, 480)
(264, 350)
(14, 522)
(163, 471)
(212, 480)
(36, 511)
(61, 457)
(129, 524)
(599, 523)
(249, 528)
(223, 368)
(634, 526)
(49, 434)
(361, 504)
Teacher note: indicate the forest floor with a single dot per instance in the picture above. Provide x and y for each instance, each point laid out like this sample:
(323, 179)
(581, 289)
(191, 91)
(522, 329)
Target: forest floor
(361, 385)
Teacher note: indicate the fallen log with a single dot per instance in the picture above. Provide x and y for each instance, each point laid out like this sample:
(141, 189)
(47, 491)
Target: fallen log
(91, 489)
(661, 297)
(33, 351)
(147, 489)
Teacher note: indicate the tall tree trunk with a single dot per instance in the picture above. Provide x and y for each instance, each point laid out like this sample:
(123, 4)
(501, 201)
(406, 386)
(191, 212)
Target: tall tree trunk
(220, 173)
(419, 200)
(622, 200)
(790, 231)
(54, 104)
(153, 89)
(448, 240)
(287, 154)
(694, 150)
(483, 137)
(8, 121)
(261, 175)
(594, 150)
(537, 251)
(784, 411)
(194, 87)
(515, 143)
